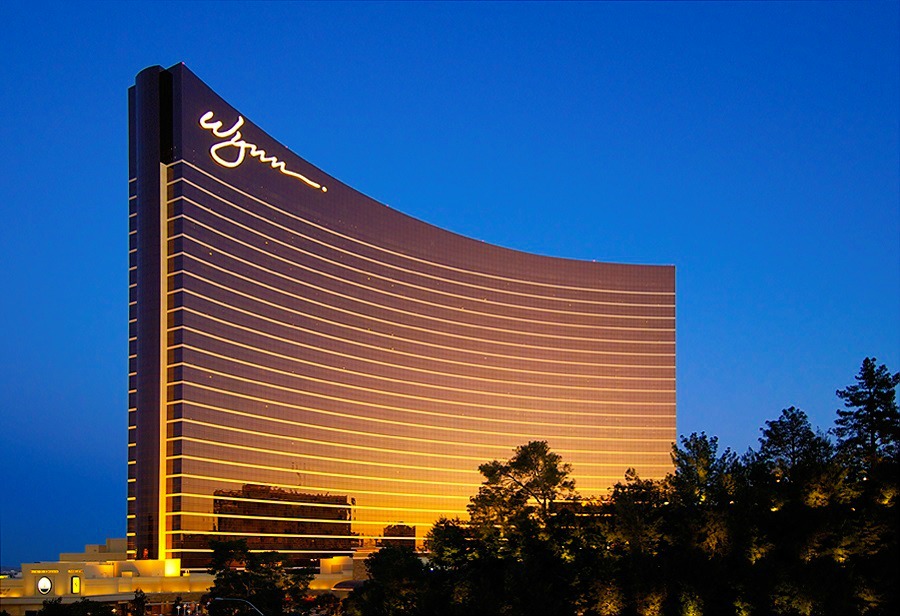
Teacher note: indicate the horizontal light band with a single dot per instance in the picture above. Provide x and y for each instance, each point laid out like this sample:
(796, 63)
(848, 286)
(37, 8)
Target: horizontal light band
(299, 504)
(231, 533)
(428, 427)
(460, 349)
(391, 309)
(396, 381)
(275, 452)
(330, 474)
(413, 327)
(393, 281)
(331, 490)
(209, 551)
(435, 264)
(391, 351)
(396, 452)
(265, 518)
(402, 366)
(369, 434)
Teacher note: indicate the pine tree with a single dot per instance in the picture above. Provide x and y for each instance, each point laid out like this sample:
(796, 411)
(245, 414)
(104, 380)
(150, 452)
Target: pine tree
(868, 430)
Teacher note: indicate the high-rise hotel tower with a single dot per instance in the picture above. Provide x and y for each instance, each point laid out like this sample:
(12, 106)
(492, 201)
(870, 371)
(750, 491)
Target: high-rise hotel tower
(311, 370)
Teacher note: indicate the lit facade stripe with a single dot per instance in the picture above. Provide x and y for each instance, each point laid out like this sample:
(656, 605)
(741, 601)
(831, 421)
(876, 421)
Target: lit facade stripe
(340, 296)
(419, 329)
(479, 429)
(475, 389)
(337, 460)
(341, 445)
(497, 450)
(453, 296)
(422, 261)
(312, 332)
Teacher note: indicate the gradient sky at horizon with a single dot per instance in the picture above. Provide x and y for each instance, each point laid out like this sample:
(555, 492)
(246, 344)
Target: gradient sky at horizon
(755, 146)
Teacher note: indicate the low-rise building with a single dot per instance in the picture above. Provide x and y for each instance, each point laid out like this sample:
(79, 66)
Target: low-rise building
(102, 573)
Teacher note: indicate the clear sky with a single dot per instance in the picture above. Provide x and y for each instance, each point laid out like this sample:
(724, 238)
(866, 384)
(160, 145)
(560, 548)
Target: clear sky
(752, 145)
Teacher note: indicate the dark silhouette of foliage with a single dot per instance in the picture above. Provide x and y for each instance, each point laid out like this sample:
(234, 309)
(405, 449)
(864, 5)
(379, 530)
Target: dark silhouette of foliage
(533, 476)
(260, 579)
(791, 447)
(82, 607)
(396, 585)
(800, 526)
(868, 429)
(325, 604)
(138, 605)
(701, 475)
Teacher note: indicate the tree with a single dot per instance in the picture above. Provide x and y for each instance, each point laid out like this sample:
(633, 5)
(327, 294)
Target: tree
(82, 607)
(789, 443)
(451, 545)
(633, 517)
(138, 605)
(533, 476)
(718, 536)
(464, 572)
(701, 475)
(396, 585)
(515, 557)
(326, 604)
(258, 578)
(868, 430)
(701, 526)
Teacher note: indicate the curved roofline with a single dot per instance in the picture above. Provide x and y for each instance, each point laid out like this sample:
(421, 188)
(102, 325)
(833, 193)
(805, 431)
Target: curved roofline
(286, 168)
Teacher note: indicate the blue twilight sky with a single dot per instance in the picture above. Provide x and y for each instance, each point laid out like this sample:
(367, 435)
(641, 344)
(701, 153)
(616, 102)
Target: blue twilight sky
(752, 145)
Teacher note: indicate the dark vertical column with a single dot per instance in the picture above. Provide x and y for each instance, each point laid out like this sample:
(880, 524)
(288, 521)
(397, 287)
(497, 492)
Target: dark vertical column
(132, 318)
(147, 121)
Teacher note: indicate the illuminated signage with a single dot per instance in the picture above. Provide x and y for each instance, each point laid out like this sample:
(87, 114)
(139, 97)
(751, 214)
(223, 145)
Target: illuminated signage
(76, 585)
(44, 585)
(45, 570)
(241, 148)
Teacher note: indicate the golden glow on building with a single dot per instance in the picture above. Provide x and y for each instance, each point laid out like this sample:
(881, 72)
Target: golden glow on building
(318, 373)
(102, 573)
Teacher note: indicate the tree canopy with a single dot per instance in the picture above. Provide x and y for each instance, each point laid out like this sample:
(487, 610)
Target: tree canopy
(82, 607)
(258, 578)
(528, 483)
(790, 528)
(868, 429)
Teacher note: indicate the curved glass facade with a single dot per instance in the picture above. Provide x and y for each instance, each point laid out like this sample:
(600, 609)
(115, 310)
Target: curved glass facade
(313, 371)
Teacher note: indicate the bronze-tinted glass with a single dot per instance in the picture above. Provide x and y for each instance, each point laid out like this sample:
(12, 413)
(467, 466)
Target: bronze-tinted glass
(327, 373)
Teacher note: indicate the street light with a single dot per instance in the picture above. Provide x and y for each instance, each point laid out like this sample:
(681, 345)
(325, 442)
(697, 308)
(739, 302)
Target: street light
(256, 609)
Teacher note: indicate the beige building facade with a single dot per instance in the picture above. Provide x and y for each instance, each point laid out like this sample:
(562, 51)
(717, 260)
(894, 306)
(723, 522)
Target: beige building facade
(101, 573)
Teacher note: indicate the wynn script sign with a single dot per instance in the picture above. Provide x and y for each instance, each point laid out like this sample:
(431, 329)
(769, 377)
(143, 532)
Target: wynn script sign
(241, 149)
